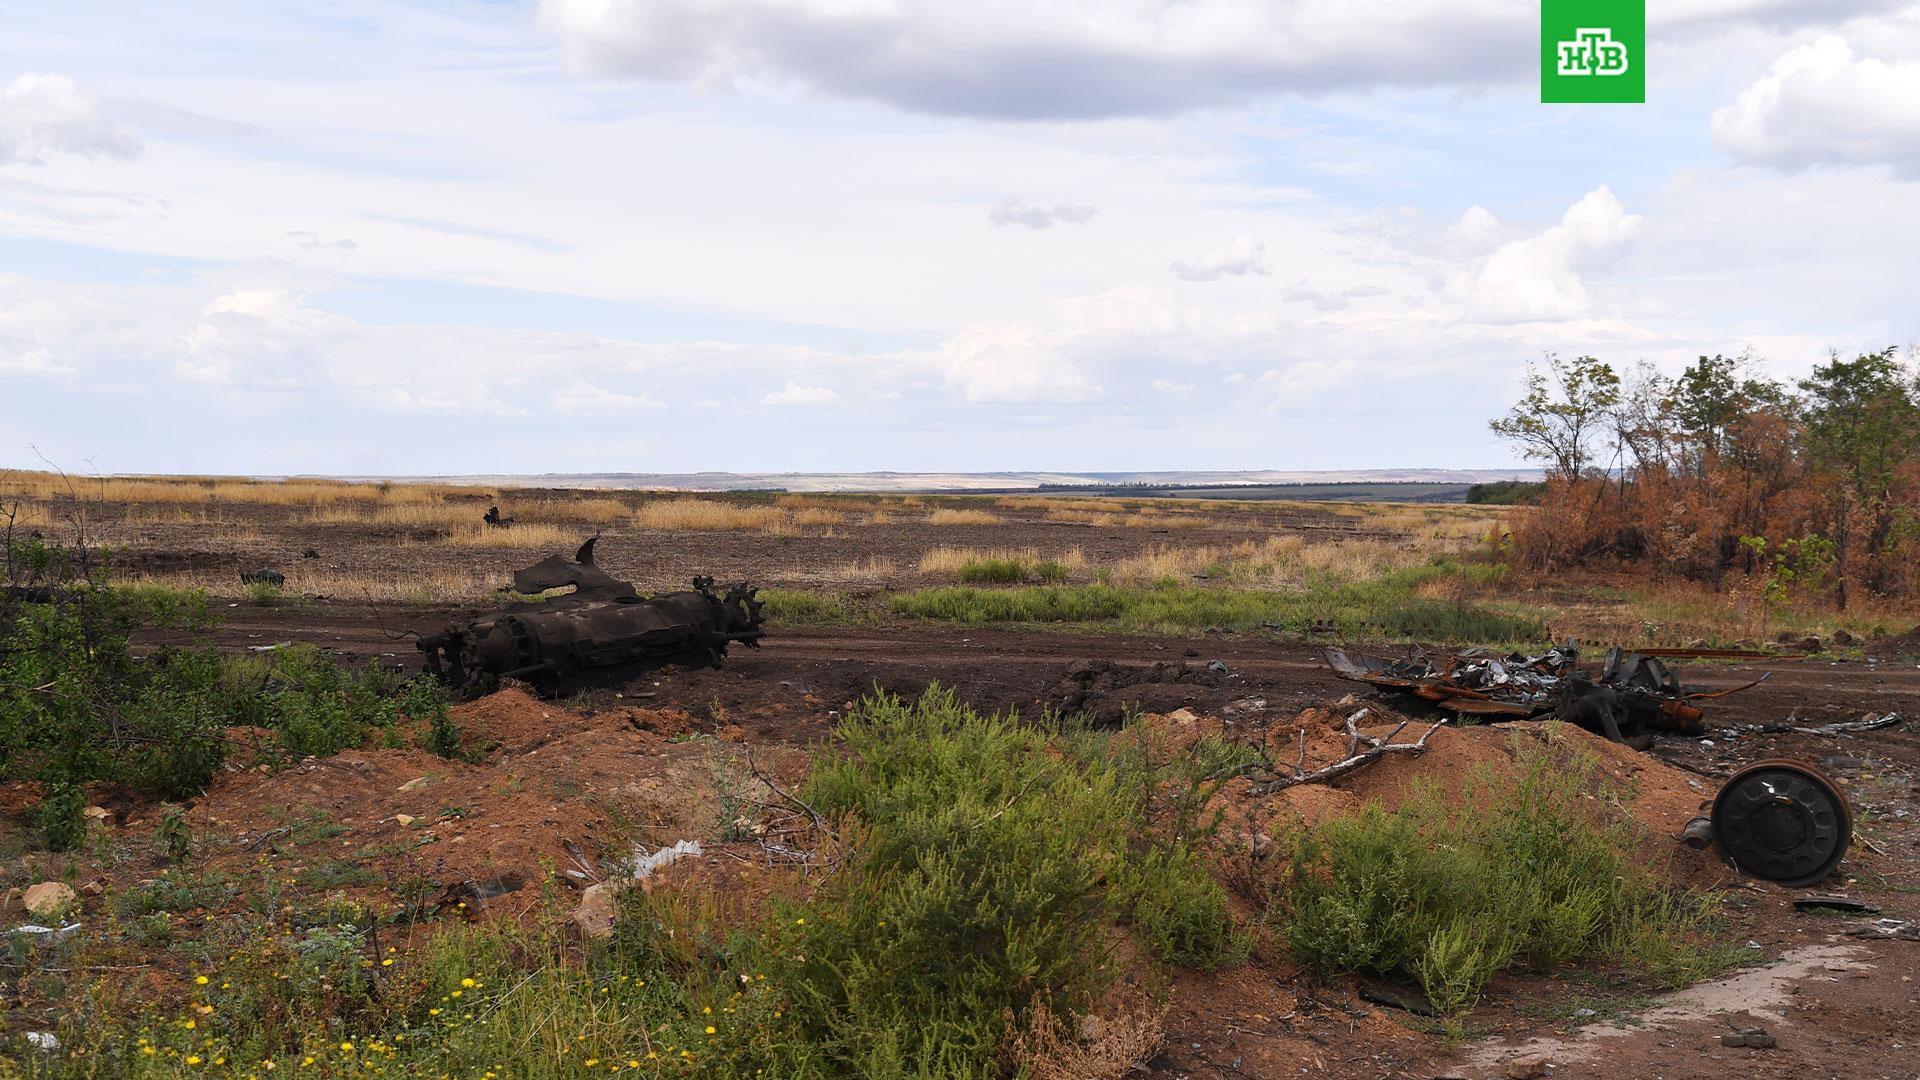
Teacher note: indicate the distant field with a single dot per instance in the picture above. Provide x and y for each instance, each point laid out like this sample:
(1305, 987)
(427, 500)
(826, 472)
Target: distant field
(1337, 492)
(1375, 558)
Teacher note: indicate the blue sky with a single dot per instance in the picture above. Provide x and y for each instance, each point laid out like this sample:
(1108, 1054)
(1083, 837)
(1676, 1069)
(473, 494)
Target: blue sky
(763, 235)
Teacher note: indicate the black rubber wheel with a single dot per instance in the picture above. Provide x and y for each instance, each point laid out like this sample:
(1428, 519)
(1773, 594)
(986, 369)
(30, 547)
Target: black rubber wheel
(1783, 821)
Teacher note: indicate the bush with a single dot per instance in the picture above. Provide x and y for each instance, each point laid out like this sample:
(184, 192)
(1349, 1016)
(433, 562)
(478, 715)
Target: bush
(1524, 868)
(60, 816)
(993, 571)
(76, 708)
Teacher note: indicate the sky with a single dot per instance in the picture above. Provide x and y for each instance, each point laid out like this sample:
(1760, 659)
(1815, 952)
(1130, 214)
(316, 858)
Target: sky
(917, 235)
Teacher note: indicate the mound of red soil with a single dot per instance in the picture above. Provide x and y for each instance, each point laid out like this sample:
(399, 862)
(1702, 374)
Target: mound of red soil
(1658, 797)
(558, 791)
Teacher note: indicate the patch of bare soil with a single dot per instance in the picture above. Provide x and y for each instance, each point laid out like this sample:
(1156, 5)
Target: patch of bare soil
(558, 793)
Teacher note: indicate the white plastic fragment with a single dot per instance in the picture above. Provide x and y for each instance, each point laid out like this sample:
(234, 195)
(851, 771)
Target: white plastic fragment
(44, 933)
(645, 865)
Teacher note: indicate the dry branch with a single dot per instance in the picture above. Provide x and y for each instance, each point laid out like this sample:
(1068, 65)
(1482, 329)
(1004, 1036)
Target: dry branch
(1375, 747)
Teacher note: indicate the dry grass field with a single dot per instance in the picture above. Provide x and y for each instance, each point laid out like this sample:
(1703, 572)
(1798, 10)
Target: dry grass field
(419, 543)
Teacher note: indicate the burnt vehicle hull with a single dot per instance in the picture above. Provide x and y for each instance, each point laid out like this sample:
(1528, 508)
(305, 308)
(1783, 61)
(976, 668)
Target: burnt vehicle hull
(1633, 696)
(603, 634)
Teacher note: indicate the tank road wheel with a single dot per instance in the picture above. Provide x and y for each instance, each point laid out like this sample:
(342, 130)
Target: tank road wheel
(1783, 821)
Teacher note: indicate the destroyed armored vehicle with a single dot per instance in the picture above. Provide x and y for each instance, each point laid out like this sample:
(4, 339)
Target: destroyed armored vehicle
(601, 633)
(1633, 696)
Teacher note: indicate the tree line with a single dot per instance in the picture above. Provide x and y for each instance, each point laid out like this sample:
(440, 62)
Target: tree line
(1814, 485)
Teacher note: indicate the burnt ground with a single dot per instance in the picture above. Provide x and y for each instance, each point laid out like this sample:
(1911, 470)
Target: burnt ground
(1837, 1005)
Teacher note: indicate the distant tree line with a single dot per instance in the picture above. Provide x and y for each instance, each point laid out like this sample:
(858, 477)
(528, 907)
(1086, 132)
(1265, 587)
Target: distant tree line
(1814, 485)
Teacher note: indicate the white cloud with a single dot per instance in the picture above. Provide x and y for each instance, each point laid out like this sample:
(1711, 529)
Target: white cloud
(1540, 276)
(1307, 379)
(1244, 254)
(1013, 212)
(797, 394)
(582, 396)
(1474, 233)
(1011, 364)
(310, 240)
(1300, 293)
(1822, 105)
(46, 115)
(1029, 59)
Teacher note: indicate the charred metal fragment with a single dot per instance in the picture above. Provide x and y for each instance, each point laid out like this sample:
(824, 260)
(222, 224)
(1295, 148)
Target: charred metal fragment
(602, 633)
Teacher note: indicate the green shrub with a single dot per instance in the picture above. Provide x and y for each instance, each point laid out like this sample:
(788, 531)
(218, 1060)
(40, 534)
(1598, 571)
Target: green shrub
(60, 816)
(175, 838)
(1168, 895)
(1525, 868)
(994, 571)
(1050, 571)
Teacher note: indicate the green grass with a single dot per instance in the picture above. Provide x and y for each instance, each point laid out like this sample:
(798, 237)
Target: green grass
(1388, 606)
(1533, 869)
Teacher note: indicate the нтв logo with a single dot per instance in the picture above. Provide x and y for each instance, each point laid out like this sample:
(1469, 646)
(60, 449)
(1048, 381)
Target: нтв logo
(1593, 50)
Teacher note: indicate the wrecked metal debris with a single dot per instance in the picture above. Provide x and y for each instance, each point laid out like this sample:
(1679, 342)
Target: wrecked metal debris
(1633, 694)
(1846, 905)
(1887, 930)
(602, 631)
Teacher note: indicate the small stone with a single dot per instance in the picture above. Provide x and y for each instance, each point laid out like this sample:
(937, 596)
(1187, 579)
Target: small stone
(92, 888)
(405, 820)
(1757, 1038)
(97, 813)
(1183, 716)
(1091, 1028)
(1528, 1068)
(594, 915)
(49, 900)
(413, 785)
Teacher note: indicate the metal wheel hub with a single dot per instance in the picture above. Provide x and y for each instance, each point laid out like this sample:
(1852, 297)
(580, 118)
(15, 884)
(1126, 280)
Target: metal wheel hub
(1783, 821)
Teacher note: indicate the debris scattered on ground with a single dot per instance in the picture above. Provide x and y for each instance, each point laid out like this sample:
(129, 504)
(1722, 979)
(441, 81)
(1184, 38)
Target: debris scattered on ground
(1633, 695)
(1844, 904)
(44, 1041)
(1842, 727)
(1887, 930)
(645, 865)
(41, 935)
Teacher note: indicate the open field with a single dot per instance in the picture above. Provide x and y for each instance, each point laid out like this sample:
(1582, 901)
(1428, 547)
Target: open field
(374, 906)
